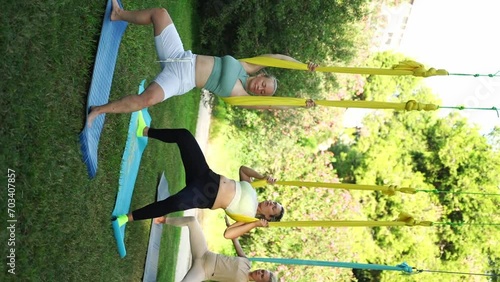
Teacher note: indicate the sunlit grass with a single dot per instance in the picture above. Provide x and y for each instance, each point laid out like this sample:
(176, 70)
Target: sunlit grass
(64, 230)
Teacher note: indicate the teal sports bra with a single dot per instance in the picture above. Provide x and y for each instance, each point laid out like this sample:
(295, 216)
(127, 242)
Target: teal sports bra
(224, 75)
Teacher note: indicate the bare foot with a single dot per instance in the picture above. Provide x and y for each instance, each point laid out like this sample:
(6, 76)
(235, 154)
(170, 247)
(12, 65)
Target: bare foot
(115, 11)
(92, 115)
(160, 220)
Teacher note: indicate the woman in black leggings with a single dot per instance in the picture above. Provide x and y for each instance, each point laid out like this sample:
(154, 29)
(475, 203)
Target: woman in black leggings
(206, 189)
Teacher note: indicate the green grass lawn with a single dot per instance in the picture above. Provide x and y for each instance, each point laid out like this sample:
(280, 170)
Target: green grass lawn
(63, 230)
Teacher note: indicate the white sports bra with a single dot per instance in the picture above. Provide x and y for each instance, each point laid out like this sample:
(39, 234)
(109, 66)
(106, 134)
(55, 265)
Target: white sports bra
(244, 201)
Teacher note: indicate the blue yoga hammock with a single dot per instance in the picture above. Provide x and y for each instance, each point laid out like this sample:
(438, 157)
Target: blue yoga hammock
(100, 86)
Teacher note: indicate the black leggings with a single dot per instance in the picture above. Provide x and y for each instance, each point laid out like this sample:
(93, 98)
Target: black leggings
(202, 184)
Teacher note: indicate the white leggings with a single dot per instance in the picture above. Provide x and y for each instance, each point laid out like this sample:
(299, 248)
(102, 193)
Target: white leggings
(203, 259)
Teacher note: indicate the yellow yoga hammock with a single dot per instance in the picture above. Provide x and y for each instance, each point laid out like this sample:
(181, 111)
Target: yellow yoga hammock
(404, 219)
(411, 105)
(387, 190)
(406, 67)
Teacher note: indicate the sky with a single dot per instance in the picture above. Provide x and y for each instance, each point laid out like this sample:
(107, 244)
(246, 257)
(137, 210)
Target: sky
(461, 36)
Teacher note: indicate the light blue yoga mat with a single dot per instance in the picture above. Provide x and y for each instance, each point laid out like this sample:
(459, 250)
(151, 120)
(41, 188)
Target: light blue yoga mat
(100, 86)
(151, 265)
(128, 173)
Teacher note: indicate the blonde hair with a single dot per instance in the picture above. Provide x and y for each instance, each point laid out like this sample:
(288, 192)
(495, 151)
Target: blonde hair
(272, 277)
(275, 80)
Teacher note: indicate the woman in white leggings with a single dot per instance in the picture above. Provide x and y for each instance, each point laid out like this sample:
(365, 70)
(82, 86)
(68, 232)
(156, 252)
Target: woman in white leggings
(226, 77)
(207, 265)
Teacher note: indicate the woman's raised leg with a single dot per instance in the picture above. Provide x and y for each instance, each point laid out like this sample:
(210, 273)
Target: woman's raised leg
(152, 95)
(196, 237)
(198, 245)
(159, 17)
(193, 159)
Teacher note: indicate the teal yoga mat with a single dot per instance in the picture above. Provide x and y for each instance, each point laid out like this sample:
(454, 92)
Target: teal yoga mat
(131, 161)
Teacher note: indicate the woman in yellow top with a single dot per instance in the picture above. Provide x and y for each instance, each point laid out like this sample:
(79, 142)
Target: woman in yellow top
(206, 189)
(182, 70)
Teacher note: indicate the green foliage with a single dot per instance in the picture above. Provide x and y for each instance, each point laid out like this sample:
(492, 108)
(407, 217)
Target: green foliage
(345, 161)
(494, 138)
(385, 87)
(311, 29)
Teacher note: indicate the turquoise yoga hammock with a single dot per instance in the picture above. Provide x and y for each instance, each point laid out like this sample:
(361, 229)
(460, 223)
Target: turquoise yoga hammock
(402, 267)
(100, 86)
(131, 161)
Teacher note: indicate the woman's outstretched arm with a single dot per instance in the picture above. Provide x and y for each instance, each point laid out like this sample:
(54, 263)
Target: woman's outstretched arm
(248, 174)
(236, 242)
(239, 228)
(252, 68)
